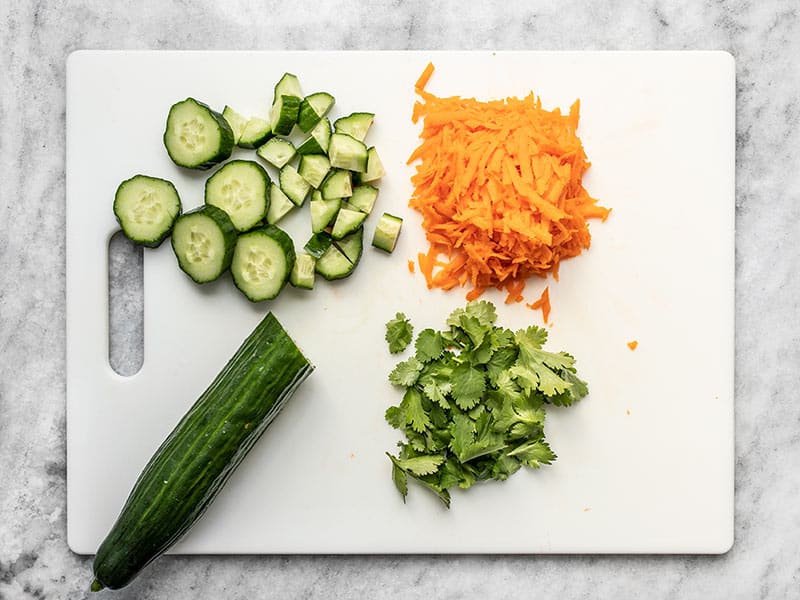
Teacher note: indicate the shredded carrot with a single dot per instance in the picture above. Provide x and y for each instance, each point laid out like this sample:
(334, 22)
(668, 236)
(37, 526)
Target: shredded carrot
(544, 303)
(411, 268)
(424, 77)
(633, 344)
(514, 289)
(499, 187)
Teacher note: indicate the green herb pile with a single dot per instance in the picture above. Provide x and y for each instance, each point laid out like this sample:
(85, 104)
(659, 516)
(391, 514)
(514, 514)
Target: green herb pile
(474, 400)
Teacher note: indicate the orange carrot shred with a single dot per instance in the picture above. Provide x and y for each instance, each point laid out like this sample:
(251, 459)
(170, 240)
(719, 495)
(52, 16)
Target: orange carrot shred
(411, 268)
(544, 303)
(633, 344)
(424, 77)
(499, 186)
(514, 289)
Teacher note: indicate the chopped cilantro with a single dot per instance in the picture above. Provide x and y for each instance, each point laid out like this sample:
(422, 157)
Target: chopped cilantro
(473, 406)
(398, 333)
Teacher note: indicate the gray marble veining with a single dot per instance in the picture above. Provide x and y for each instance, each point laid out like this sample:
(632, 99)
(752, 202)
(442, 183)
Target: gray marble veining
(764, 37)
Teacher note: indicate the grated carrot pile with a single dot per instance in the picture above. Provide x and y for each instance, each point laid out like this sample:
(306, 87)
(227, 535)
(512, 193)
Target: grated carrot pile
(499, 187)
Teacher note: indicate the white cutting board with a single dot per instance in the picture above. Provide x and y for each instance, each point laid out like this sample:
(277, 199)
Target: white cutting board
(645, 462)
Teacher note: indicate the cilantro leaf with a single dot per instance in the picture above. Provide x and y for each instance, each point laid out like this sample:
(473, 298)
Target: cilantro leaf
(534, 454)
(463, 432)
(482, 310)
(400, 479)
(468, 386)
(415, 414)
(425, 464)
(395, 416)
(429, 345)
(441, 493)
(399, 332)
(406, 373)
(537, 369)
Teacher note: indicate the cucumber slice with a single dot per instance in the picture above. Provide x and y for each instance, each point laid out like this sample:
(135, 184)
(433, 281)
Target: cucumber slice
(240, 188)
(338, 184)
(323, 212)
(333, 264)
(355, 125)
(318, 244)
(318, 139)
(283, 114)
(279, 205)
(346, 152)
(236, 121)
(386, 232)
(146, 209)
(347, 221)
(313, 108)
(197, 137)
(262, 262)
(255, 133)
(286, 104)
(302, 275)
(277, 152)
(375, 168)
(352, 245)
(288, 85)
(295, 187)
(203, 240)
(313, 168)
(364, 197)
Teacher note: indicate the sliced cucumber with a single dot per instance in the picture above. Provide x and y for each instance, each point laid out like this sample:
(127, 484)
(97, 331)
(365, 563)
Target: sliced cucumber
(364, 197)
(277, 152)
(334, 264)
(313, 168)
(352, 245)
(240, 188)
(323, 212)
(386, 232)
(146, 209)
(295, 187)
(318, 139)
(197, 137)
(262, 262)
(338, 184)
(236, 121)
(375, 168)
(283, 114)
(313, 108)
(255, 133)
(288, 85)
(302, 275)
(203, 240)
(347, 221)
(346, 152)
(318, 244)
(279, 205)
(355, 125)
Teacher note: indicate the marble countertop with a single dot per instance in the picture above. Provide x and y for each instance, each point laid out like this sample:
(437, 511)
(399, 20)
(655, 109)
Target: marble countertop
(764, 38)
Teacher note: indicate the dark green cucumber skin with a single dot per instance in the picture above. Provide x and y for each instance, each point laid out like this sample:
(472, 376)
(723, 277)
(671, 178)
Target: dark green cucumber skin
(286, 244)
(154, 243)
(193, 463)
(229, 234)
(226, 142)
(318, 244)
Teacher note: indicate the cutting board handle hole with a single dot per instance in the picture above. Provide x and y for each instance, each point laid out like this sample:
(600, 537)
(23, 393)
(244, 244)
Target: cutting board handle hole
(125, 305)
